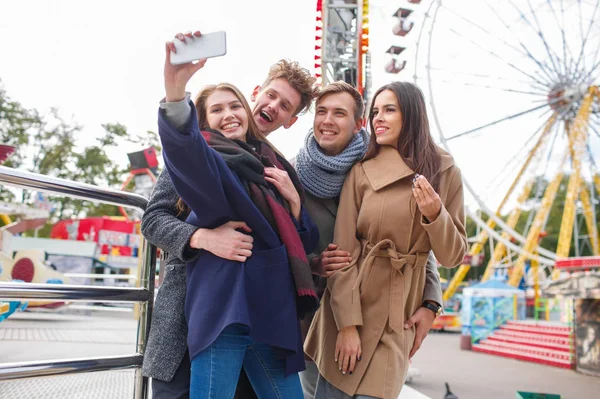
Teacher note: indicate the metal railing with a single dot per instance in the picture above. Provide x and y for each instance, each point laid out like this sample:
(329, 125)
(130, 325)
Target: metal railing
(490, 319)
(144, 294)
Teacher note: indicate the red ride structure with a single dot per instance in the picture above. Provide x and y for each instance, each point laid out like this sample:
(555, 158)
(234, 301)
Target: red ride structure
(342, 43)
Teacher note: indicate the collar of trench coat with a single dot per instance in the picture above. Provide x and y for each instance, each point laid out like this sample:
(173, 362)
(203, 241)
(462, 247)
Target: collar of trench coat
(388, 167)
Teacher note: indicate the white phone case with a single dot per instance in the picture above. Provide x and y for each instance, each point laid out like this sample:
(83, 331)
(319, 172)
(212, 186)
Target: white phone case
(208, 45)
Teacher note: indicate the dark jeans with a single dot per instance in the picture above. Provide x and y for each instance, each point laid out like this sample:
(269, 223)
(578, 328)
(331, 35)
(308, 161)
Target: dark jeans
(178, 387)
(327, 391)
(244, 388)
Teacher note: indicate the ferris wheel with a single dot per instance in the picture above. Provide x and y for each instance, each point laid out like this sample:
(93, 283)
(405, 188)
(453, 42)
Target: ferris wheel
(513, 93)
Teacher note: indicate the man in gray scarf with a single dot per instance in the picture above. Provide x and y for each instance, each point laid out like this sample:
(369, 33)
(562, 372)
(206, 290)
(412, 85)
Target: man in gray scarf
(335, 143)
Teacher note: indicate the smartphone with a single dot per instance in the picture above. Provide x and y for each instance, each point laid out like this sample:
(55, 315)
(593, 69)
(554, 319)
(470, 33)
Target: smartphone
(208, 45)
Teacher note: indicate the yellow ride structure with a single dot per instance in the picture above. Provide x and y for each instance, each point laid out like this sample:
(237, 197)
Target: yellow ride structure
(459, 53)
(510, 61)
(578, 189)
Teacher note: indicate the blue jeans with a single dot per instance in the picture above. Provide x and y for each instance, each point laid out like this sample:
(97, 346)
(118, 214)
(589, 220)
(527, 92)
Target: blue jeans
(215, 370)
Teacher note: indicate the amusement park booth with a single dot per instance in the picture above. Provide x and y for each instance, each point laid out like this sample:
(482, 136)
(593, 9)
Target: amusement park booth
(488, 305)
(580, 282)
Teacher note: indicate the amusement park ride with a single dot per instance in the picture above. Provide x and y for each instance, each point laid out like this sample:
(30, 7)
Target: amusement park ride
(513, 92)
(510, 56)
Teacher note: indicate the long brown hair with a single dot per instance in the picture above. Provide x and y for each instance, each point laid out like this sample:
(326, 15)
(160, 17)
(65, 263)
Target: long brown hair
(207, 91)
(200, 104)
(415, 144)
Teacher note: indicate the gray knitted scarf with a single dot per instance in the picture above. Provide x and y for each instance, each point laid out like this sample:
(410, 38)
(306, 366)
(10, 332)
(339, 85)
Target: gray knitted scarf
(323, 175)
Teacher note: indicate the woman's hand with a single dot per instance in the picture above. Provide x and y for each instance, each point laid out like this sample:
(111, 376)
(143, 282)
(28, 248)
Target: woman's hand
(348, 349)
(225, 241)
(428, 200)
(177, 76)
(282, 182)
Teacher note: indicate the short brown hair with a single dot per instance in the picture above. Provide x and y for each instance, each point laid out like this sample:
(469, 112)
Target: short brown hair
(343, 87)
(298, 77)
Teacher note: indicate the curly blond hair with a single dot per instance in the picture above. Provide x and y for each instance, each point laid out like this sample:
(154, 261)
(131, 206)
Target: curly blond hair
(299, 78)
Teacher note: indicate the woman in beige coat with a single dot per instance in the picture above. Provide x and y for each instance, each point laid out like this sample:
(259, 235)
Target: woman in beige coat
(403, 200)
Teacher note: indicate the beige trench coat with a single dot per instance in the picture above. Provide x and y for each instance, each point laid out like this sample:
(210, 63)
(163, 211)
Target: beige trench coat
(380, 225)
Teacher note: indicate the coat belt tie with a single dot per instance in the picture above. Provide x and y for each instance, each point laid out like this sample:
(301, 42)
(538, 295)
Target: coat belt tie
(387, 249)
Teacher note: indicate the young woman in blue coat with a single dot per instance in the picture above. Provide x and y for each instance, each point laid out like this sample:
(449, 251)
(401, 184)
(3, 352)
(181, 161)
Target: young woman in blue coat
(239, 314)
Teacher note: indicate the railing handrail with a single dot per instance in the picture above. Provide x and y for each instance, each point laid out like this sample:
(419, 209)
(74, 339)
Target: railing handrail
(144, 293)
(489, 328)
(10, 291)
(19, 370)
(54, 185)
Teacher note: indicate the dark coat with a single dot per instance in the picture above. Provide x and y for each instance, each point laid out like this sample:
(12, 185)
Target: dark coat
(167, 342)
(260, 292)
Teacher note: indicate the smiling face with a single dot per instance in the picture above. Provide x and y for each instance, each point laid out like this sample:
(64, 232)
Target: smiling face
(275, 105)
(335, 122)
(387, 118)
(225, 113)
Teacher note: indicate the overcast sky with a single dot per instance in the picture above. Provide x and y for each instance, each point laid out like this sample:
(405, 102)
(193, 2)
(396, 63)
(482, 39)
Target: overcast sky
(101, 62)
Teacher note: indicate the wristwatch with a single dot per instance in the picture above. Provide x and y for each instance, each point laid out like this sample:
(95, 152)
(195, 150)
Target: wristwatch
(434, 307)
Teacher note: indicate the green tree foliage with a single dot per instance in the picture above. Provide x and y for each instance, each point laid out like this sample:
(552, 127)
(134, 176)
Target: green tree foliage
(47, 144)
(551, 228)
(17, 125)
(553, 223)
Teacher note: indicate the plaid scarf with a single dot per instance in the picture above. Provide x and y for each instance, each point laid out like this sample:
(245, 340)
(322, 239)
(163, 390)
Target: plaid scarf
(248, 161)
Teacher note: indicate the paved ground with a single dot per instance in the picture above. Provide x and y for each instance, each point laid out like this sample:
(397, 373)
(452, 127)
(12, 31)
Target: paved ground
(45, 336)
(471, 375)
(31, 336)
(101, 385)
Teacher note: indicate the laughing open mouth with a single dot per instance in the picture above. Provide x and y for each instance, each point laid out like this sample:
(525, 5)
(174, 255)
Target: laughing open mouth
(266, 116)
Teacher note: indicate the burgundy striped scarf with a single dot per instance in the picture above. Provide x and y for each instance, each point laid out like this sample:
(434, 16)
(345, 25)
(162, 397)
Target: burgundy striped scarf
(248, 161)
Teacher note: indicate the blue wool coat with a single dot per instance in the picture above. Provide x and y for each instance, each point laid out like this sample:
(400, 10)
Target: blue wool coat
(260, 292)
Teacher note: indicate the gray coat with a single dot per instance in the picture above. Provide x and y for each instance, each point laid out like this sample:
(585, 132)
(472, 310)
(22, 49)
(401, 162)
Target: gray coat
(167, 342)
